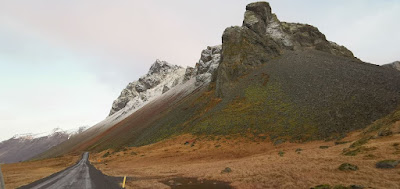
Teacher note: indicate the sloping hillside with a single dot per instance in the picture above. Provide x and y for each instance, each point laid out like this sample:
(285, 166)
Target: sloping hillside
(275, 80)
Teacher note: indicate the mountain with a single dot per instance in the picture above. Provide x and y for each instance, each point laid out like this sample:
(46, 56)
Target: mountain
(25, 146)
(162, 77)
(269, 78)
(393, 65)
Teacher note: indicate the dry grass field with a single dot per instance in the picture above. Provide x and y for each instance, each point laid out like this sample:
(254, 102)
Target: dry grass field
(254, 164)
(19, 174)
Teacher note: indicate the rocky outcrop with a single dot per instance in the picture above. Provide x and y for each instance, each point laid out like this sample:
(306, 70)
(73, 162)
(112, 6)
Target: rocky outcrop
(393, 65)
(161, 77)
(263, 37)
(208, 64)
(302, 36)
(246, 46)
(189, 73)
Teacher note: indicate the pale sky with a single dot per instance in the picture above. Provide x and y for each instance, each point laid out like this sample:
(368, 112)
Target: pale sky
(62, 63)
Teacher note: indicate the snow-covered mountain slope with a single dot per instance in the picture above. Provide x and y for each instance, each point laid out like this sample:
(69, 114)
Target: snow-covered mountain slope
(22, 147)
(163, 76)
(152, 86)
(163, 84)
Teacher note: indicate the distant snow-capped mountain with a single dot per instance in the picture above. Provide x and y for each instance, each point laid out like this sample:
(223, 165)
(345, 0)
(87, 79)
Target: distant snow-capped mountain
(22, 147)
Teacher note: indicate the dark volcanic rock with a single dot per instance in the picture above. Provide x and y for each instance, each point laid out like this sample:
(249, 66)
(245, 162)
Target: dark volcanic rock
(387, 164)
(242, 49)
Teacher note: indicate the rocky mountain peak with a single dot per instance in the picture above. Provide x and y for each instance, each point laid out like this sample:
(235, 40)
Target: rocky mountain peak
(161, 67)
(160, 78)
(257, 17)
(163, 76)
(263, 37)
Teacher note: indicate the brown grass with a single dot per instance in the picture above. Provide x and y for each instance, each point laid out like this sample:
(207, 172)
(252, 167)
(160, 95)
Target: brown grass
(19, 174)
(254, 164)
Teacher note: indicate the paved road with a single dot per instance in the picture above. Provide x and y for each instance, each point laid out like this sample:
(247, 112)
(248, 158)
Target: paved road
(82, 175)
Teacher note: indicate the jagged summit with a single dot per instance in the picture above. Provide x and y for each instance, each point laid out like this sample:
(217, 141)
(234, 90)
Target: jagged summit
(263, 37)
(160, 78)
(259, 18)
(163, 76)
(162, 67)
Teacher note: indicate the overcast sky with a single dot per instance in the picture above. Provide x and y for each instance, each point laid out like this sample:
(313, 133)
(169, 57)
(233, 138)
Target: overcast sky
(62, 63)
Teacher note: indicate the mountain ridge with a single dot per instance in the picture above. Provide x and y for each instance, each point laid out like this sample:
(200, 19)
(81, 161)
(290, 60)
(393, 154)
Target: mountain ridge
(393, 65)
(271, 79)
(163, 76)
(22, 147)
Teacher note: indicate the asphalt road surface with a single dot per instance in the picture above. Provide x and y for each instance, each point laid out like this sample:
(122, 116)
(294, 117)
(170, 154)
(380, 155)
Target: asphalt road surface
(81, 175)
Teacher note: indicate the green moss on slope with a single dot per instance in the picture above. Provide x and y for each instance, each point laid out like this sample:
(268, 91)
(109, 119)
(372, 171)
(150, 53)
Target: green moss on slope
(262, 109)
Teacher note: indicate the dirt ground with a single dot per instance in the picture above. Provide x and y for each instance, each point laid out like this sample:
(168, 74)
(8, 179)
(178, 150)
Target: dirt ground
(19, 174)
(253, 164)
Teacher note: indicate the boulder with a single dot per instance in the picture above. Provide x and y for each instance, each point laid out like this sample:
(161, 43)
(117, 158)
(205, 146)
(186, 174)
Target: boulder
(226, 170)
(348, 167)
(387, 164)
(165, 89)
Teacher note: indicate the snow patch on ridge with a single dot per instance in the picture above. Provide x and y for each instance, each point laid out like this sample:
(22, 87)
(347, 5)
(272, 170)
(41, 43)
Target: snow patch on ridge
(163, 77)
(162, 81)
(55, 131)
(160, 77)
